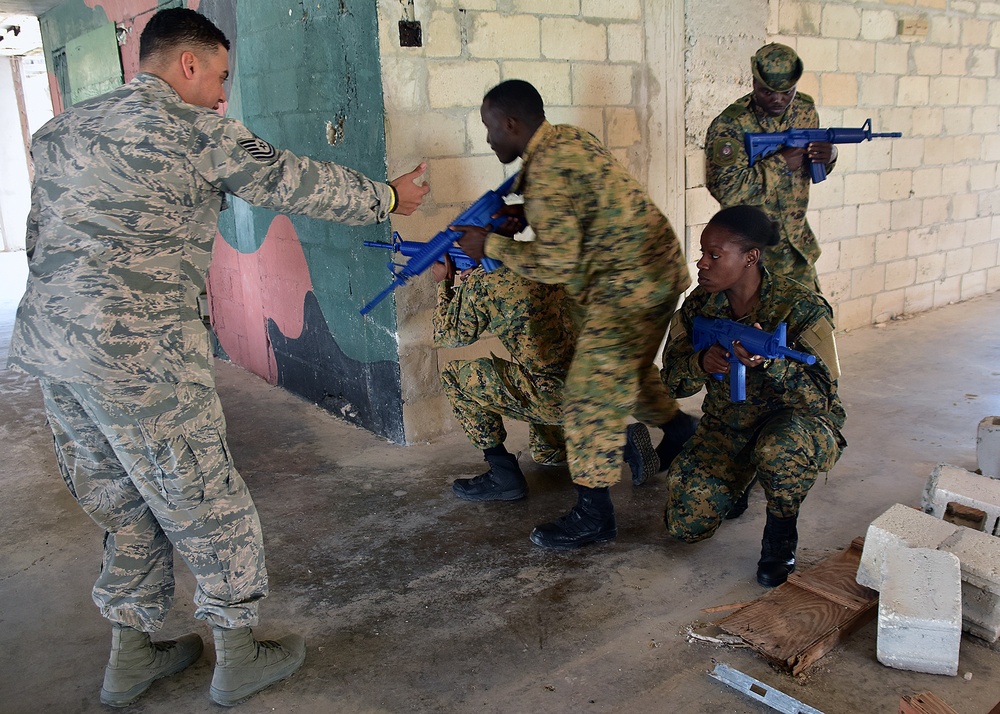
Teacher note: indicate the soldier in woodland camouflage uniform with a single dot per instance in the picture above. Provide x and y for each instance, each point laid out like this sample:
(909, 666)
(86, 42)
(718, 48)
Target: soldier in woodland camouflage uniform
(787, 430)
(600, 236)
(779, 184)
(532, 321)
(126, 197)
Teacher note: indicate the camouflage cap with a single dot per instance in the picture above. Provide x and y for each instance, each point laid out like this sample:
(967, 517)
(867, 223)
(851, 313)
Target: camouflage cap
(776, 66)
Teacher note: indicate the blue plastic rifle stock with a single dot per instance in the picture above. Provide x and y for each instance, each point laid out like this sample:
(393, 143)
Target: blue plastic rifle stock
(762, 145)
(478, 214)
(769, 345)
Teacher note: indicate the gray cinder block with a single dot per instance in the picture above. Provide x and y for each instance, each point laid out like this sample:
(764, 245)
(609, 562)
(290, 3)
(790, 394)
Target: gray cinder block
(900, 526)
(920, 611)
(988, 446)
(979, 554)
(950, 483)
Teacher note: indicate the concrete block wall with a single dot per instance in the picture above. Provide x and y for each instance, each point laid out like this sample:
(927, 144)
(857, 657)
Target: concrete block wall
(905, 225)
(908, 224)
(587, 59)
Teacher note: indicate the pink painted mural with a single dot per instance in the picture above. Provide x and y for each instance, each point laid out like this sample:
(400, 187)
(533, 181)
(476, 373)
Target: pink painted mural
(247, 289)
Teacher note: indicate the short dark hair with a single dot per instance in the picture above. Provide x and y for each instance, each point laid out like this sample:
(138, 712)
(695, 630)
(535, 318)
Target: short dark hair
(750, 225)
(176, 27)
(517, 98)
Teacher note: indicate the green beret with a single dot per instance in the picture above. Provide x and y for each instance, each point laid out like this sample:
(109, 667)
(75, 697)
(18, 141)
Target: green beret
(776, 66)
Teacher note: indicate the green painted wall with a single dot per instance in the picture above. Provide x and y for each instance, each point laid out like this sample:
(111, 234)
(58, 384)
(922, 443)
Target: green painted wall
(93, 64)
(298, 67)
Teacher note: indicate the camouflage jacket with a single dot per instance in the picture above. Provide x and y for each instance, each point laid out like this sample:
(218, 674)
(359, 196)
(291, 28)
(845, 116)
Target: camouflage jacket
(780, 384)
(782, 194)
(532, 320)
(597, 232)
(124, 210)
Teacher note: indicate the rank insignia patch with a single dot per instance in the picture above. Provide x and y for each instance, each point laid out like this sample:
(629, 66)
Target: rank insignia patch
(258, 148)
(724, 152)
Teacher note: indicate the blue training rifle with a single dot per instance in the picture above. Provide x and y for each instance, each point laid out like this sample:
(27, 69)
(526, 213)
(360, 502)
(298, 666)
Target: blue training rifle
(709, 331)
(478, 214)
(762, 145)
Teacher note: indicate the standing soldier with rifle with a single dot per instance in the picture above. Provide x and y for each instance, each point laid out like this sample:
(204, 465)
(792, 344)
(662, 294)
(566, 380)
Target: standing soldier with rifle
(779, 183)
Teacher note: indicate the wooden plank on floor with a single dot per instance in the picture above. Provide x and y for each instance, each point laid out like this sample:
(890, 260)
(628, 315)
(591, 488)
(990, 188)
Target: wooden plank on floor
(801, 620)
(925, 703)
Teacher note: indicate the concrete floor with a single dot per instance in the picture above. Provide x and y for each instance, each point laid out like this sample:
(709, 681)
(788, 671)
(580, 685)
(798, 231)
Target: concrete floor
(413, 601)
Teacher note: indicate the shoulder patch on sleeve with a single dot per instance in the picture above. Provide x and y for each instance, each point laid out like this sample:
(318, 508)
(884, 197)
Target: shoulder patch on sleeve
(258, 148)
(724, 151)
(821, 342)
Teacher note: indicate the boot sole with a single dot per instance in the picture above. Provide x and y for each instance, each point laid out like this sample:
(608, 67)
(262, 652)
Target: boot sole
(238, 696)
(641, 457)
(541, 543)
(123, 699)
(501, 496)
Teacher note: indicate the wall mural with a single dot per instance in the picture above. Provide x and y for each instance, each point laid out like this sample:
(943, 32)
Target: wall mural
(285, 291)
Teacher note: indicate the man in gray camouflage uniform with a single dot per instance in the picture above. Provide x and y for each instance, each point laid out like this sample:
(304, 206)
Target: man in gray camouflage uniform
(127, 193)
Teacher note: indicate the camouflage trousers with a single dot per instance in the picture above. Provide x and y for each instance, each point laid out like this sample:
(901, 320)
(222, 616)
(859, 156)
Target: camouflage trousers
(717, 465)
(611, 377)
(149, 464)
(483, 391)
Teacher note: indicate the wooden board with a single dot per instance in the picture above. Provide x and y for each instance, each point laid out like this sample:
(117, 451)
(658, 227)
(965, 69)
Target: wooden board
(962, 515)
(801, 620)
(926, 703)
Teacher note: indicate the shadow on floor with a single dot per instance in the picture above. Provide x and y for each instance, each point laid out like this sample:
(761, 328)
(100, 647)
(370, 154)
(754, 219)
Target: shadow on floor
(412, 601)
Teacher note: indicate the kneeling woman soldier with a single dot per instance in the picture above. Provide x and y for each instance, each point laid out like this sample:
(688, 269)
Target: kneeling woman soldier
(788, 428)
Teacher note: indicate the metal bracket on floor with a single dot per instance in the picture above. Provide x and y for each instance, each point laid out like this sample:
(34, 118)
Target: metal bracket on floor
(777, 700)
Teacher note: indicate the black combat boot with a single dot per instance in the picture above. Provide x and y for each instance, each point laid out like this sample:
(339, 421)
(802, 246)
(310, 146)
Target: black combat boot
(741, 504)
(676, 432)
(777, 551)
(503, 482)
(592, 520)
(639, 454)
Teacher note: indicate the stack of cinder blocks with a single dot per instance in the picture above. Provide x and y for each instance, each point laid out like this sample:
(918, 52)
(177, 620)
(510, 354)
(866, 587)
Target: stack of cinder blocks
(935, 574)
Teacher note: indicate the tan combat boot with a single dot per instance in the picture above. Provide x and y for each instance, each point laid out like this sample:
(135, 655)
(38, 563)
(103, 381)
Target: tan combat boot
(136, 663)
(244, 666)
